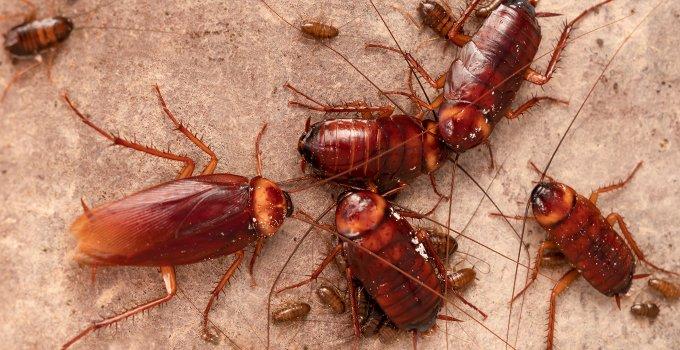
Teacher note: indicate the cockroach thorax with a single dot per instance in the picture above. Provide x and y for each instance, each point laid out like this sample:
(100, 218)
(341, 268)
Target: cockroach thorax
(359, 212)
(271, 205)
(551, 202)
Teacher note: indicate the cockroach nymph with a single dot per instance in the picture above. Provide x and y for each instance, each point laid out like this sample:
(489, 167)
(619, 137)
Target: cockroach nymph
(291, 312)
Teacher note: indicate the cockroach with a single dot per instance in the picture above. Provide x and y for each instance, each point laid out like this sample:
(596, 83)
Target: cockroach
(437, 17)
(318, 30)
(292, 312)
(444, 243)
(349, 149)
(330, 297)
(462, 278)
(183, 221)
(646, 309)
(481, 84)
(380, 246)
(576, 227)
(668, 289)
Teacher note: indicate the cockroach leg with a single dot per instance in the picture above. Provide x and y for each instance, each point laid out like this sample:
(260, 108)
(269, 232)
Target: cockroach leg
(436, 84)
(321, 107)
(560, 286)
(16, 77)
(615, 217)
(594, 195)
(256, 253)
(210, 168)
(329, 258)
(514, 217)
(457, 28)
(433, 183)
(531, 103)
(491, 161)
(448, 318)
(189, 164)
(540, 79)
(535, 168)
(354, 307)
(218, 289)
(545, 245)
(168, 273)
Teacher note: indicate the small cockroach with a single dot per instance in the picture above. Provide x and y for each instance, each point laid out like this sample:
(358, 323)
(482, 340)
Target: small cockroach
(444, 243)
(183, 221)
(291, 312)
(435, 16)
(330, 297)
(646, 309)
(318, 30)
(668, 289)
(462, 278)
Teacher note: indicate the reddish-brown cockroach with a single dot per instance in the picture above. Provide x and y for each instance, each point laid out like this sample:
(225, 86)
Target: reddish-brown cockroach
(444, 243)
(183, 221)
(380, 246)
(319, 30)
(647, 309)
(481, 84)
(576, 227)
(330, 297)
(668, 289)
(291, 312)
(462, 278)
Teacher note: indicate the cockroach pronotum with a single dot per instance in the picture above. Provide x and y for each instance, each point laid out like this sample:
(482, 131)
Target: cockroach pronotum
(330, 297)
(576, 228)
(396, 264)
(291, 312)
(668, 289)
(647, 309)
(183, 221)
(481, 84)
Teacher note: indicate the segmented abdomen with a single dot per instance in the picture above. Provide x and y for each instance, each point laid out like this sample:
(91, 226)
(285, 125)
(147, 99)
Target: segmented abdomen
(483, 72)
(407, 304)
(334, 146)
(592, 246)
(436, 17)
(31, 38)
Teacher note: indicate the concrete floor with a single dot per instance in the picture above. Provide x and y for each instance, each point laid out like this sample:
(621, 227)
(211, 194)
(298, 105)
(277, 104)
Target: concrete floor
(221, 65)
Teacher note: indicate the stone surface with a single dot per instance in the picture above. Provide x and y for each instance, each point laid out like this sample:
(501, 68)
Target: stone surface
(221, 66)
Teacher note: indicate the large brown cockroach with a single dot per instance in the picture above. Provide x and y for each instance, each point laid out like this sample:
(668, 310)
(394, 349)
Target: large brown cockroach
(183, 221)
(396, 264)
(576, 228)
(481, 84)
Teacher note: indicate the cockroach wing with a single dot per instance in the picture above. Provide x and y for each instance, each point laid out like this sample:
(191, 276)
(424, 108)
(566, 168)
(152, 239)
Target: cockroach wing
(178, 222)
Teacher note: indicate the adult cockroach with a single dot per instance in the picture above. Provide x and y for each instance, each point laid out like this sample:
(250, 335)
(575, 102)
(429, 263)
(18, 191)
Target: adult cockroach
(646, 309)
(576, 227)
(668, 289)
(183, 221)
(481, 84)
(330, 297)
(397, 264)
(291, 312)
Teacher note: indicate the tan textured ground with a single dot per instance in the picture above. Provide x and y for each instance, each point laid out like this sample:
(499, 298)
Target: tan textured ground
(225, 79)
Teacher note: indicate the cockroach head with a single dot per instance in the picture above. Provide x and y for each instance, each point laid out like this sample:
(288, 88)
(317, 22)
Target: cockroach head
(270, 205)
(462, 126)
(551, 202)
(358, 212)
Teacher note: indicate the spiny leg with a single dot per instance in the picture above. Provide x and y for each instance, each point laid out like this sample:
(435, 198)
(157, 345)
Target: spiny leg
(189, 164)
(354, 308)
(595, 194)
(218, 289)
(436, 84)
(540, 79)
(385, 111)
(531, 103)
(545, 245)
(256, 253)
(210, 168)
(458, 26)
(329, 258)
(16, 77)
(560, 286)
(615, 217)
(168, 273)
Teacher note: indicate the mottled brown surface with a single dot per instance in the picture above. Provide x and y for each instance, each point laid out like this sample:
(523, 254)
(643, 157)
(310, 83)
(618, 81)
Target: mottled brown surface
(225, 79)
